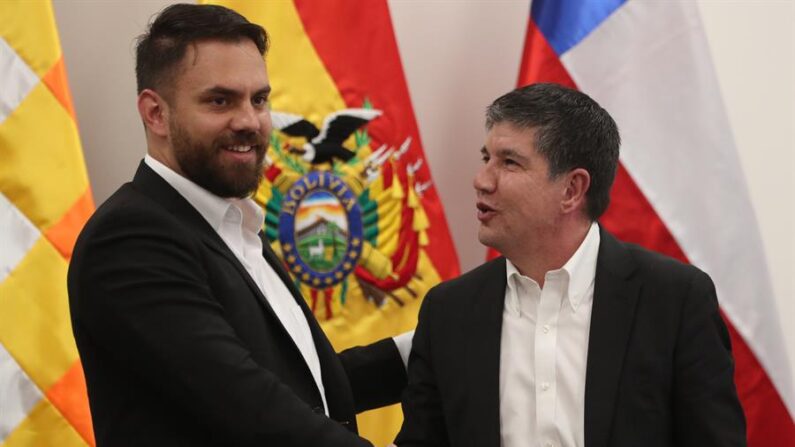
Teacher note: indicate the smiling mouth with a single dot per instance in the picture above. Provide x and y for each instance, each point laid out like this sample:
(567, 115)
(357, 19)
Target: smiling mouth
(240, 148)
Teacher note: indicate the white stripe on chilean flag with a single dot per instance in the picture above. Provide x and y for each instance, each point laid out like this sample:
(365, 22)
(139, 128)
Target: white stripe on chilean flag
(678, 147)
(648, 64)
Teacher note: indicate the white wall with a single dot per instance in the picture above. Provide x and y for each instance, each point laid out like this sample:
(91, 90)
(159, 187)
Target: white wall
(458, 56)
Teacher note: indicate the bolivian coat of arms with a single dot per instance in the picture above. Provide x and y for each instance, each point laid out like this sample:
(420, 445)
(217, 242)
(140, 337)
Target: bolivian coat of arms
(346, 218)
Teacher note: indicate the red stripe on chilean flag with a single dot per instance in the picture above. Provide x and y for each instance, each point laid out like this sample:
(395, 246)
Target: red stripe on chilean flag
(539, 61)
(633, 219)
(374, 71)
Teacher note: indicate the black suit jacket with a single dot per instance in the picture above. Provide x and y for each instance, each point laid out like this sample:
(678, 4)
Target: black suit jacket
(180, 347)
(659, 369)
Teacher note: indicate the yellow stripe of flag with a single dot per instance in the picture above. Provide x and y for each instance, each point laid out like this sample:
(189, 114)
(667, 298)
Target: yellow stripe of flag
(43, 175)
(298, 63)
(29, 27)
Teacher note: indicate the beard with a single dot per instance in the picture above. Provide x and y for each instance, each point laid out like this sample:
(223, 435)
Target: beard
(204, 165)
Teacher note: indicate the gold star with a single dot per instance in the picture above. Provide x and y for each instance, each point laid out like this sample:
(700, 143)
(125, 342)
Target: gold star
(328, 281)
(346, 265)
(355, 242)
(338, 275)
(305, 277)
(288, 247)
(291, 259)
(352, 254)
(297, 269)
(315, 282)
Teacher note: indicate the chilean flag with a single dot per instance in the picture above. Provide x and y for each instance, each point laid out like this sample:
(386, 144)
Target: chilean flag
(679, 189)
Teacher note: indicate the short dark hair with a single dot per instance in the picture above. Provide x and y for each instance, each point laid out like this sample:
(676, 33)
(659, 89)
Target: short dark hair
(161, 48)
(571, 131)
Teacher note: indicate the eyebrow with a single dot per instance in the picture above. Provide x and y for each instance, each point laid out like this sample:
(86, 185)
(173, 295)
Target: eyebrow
(219, 90)
(504, 153)
(512, 153)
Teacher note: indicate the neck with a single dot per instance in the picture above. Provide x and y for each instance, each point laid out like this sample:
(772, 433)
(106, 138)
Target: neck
(164, 155)
(550, 252)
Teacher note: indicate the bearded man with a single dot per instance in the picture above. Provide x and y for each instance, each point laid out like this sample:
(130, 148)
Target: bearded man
(190, 331)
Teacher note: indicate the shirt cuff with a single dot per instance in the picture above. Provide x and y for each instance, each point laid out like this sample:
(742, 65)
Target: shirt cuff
(403, 343)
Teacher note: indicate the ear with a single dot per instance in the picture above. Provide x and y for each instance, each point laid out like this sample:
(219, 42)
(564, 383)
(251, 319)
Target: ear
(154, 112)
(576, 185)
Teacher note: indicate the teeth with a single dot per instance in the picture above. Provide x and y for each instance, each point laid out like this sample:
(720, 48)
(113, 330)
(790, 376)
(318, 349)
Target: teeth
(239, 148)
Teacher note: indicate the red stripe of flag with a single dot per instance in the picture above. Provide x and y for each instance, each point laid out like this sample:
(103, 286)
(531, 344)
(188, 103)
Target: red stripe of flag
(359, 51)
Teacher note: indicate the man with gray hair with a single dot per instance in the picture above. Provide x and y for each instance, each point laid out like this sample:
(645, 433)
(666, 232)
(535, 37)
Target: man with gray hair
(572, 338)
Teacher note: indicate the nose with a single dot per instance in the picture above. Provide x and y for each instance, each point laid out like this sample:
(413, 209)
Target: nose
(485, 181)
(248, 118)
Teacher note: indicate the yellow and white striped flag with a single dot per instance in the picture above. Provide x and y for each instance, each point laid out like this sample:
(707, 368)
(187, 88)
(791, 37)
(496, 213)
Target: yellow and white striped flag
(44, 201)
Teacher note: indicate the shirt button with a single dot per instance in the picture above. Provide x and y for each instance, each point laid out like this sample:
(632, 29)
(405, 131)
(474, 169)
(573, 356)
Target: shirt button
(545, 328)
(545, 386)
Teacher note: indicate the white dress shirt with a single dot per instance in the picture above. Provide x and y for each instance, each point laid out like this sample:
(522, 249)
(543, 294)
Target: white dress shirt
(543, 352)
(238, 222)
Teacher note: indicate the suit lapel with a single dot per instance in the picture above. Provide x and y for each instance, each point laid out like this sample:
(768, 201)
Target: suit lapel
(318, 335)
(338, 393)
(217, 244)
(615, 296)
(156, 188)
(324, 349)
(483, 354)
(278, 267)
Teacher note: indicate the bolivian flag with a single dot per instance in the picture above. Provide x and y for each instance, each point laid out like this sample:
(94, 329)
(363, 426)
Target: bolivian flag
(44, 202)
(350, 203)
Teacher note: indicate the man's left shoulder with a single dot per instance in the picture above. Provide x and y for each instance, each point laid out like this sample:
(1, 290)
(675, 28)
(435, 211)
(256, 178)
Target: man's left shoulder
(663, 271)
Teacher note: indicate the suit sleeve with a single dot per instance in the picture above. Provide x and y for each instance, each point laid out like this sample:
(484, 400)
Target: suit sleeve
(142, 295)
(707, 411)
(423, 416)
(376, 374)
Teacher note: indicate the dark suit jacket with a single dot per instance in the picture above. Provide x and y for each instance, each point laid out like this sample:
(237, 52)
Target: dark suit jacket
(659, 369)
(180, 347)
